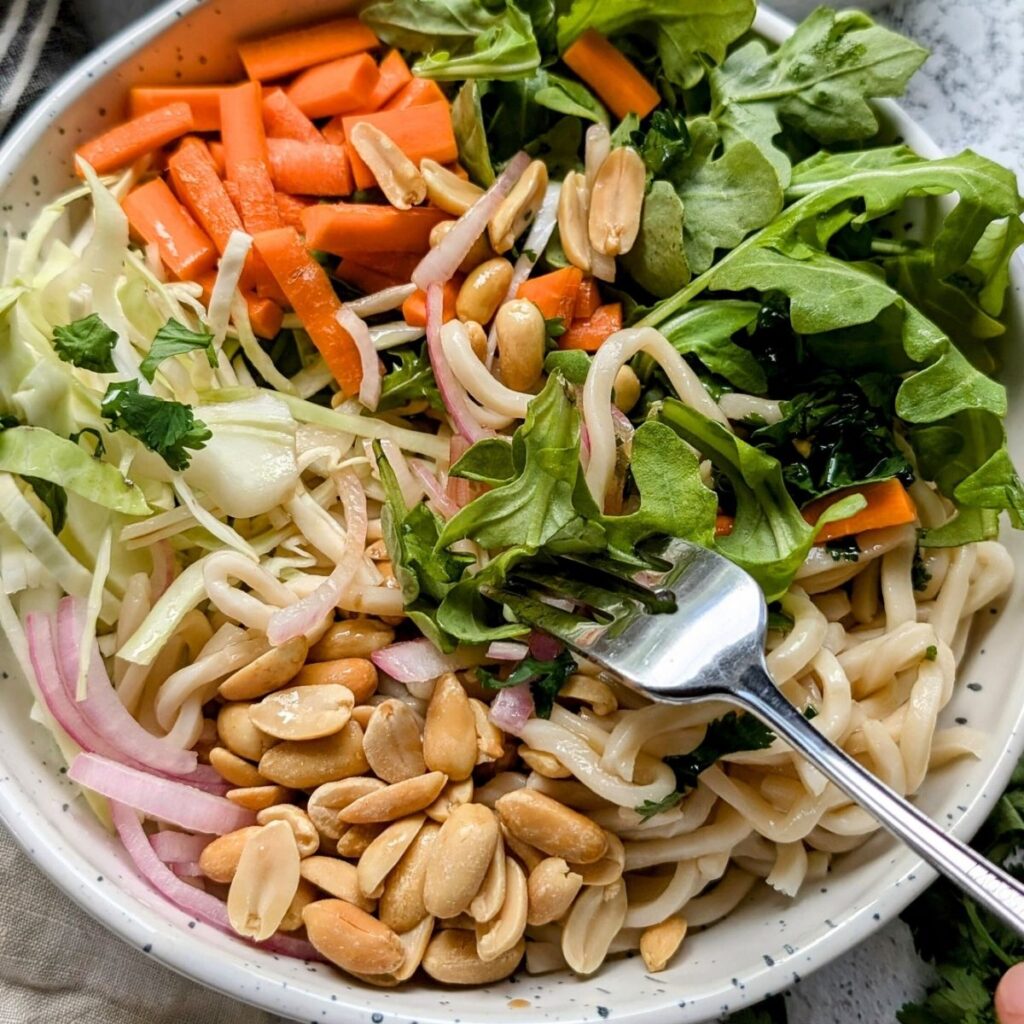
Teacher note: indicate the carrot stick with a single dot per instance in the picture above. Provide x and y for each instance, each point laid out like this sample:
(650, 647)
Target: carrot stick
(414, 309)
(394, 74)
(590, 334)
(335, 88)
(281, 54)
(554, 294)
(888, 504)
(427, 134)
(365, 279)
(416, 93)
(216, 149)
(397, 264)
(203, 100)
(310, 293)
(265, 315)
(588, 298)
(231, 188)
(127, 142)
(194, 176)
(283, 120)
(354, 227)
(159, 219)
(611, 75)
(241, 115)
(334, 131)
(309, 168)
(256, 197)
(290, 209)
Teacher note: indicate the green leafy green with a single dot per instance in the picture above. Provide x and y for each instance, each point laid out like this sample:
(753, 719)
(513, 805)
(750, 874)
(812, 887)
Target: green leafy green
(572, 364)
(565, 96)
(87, 343)
(168, 428)
(545, 676)
(470, 135)
(410, 379)
(175, 339)
(664, 144)
(657, 261)
(488, 461)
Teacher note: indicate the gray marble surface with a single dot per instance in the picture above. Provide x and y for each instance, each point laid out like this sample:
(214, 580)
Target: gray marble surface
(969, 94)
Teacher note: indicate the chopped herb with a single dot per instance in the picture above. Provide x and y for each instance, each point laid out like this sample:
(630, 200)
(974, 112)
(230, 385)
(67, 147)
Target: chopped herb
(845, 549)
(649, 808)
(931, 653)
(554, 328)
(175, 339)
(100, 448)
(86, 343)
(811, 712)
(165, 427)
(546, 679)
(409, 378)
(919, 575)
(530, 254)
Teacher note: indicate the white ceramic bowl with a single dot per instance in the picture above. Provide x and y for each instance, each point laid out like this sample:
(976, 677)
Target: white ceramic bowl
(765, 946)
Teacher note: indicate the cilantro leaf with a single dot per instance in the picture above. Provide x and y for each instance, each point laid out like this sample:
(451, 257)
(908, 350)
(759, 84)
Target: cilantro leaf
(86, 343)
(410, 379)
(175, 339)
(546, 679)
(165, 427)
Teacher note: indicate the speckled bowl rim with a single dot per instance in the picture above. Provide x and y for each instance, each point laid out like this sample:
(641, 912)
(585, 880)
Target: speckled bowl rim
(236, 972)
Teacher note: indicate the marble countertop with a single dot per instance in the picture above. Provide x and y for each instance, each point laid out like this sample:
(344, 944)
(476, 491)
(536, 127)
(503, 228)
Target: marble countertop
(969, 94)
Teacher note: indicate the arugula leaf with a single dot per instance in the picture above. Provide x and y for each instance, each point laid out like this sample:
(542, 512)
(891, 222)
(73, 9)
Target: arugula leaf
(657, 261)
(86, 343)
(546, 679)
(684, 31)
(989, 266)
(506, 48)
(665, 143)
(488, 461)
(819, 81)
(566, 96)
(165, 427)
(410, 380)
(175, 339)
(470, 136)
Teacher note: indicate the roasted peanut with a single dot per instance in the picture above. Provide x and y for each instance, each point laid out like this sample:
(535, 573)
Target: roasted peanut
(265, 881)
(659, 943)
(551, 887)
(459, 860)
(395, 801)
(336, 878)
(606, 870)
(588, 690)
(351, 638)
(500, 934)
(449, 736)
(477, 339)
(552, 827)
(544, 763)
(307, 839)
(595, 919)
(304, 712)
(520, 330)
(385, 852)
(491, 895)
(453, 795)
(490, 740)
(479, 252)
(519, 207)
(446, 190)
(235, 769)
(399, 179)
(393, 744)
(309, 763)
(239, 735)
(355, 839)
(305, 894)
(327, 801)
(351, 938)
(268, 672)
(616, 202)
(573, 202)
(219, 859)
(401, 905)
(626, 390)
(528, 854)
(483, 290)
(361, 715)
(356, 674)
(256, 798)
(452, 959)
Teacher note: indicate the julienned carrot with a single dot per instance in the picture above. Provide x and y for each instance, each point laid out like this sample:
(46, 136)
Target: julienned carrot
(290, 209)
(216, 149)
(159, 219)
(309, 168)
(241, 115)
(414, 309)
(127, 142)
(590, 334)
(554, 294)
(427, 134)
(265, 315)
(588, 298)
(203, 100)
(283, 120)
(195, 179)
(281, 54)
(366, 279)
(334, 131)
(256, 197)
(309, 291)
(335, 88)
(888, 504)
(416, 93)
(611, 75)
(397, 264)
(355, 227)
(394, 74)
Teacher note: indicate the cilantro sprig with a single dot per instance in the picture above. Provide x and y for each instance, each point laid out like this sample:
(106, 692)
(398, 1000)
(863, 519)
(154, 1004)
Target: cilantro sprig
(175, 339)
(546, 679)
(87, 343)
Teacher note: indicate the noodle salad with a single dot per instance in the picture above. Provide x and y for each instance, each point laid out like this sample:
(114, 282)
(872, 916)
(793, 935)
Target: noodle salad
(305, 365)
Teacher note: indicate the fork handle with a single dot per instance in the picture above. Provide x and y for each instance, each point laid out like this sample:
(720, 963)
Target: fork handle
(995, 890)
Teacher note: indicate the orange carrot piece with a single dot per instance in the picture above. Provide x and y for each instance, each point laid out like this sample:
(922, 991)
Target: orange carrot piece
(194, 176)
(231, 188)
(216, 149)
(427, 134)
(588, 298)
(590, 334)
(265, 315)
(127, 142)
(417, 93)
(356, 228)
(394, 75)
(611, 75)
(283, 120)
(414, 309)
(336, 88)
(312, 297)
(458, 170)
(554, 294)
(257, 197)
(334, 131)
(279, 55)
(203, 100)
(397, 264)
(157, 217)
(309, 168)
(365, 279)
(888, 504)
(290, 209)
(241, 115)
(724, 524)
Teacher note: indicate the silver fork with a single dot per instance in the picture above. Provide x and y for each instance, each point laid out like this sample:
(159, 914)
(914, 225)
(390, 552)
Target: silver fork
(694, 629)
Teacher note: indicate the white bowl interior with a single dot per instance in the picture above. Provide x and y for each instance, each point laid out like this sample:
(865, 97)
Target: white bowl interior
(766, 945)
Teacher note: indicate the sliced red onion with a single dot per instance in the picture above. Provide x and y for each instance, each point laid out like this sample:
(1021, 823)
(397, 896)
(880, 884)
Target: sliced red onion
(506, 650)
(306, 614)
(512, 708)
(444, 506)
(544, 647)
(453, 394)
(370, 383)
(419, 661)
(164, 799)
(187, 869)
(178, 847)
(440, 264)
(458, 489)
(102, 708)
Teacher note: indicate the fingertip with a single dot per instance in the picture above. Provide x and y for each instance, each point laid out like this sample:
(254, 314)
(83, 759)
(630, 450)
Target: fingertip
(1010, 996)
